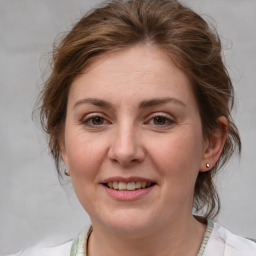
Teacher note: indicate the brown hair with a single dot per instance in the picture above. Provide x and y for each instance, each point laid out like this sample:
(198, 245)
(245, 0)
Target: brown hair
(184, 35)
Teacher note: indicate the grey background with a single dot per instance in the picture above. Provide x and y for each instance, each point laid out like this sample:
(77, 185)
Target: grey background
(34, 207)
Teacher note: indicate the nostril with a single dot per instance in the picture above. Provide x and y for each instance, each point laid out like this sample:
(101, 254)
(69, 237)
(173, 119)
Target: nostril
(125, 147)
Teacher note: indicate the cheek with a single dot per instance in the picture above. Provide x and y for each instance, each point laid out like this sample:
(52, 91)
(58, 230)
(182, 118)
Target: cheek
(178, 157)
(84, 161)
(84, 158)
(178, 162)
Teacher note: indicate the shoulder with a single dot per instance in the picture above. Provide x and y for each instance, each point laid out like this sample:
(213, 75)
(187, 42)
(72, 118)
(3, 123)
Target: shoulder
(75, 246)
(59, 250)
(229, 244)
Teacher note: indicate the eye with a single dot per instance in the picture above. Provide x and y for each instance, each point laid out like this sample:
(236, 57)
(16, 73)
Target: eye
(94, 121)
(97, 120)
(161, 120)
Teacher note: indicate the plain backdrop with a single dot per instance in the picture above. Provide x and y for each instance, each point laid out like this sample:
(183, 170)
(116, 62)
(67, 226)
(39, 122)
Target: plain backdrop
(34, 207)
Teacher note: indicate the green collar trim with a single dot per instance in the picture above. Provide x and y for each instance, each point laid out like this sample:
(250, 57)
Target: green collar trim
(80, 245)
(207, 234)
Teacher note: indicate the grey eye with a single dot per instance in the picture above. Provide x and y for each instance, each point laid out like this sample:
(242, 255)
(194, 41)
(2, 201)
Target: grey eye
(159, 120)
(97, 120)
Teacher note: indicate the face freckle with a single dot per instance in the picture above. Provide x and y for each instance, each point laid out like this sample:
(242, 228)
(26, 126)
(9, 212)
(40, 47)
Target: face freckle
(132, 117)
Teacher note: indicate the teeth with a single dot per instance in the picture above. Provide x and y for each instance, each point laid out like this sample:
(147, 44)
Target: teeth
(120, 185)
(130, 186)
(115, 185)
(138, 184)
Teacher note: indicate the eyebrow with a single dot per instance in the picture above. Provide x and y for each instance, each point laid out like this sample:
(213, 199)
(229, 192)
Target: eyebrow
(143, 104)
(159, 101)
(94, 101)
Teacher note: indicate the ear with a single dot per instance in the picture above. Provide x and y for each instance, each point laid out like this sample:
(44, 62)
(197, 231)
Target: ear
(214, 145)
(64, 154)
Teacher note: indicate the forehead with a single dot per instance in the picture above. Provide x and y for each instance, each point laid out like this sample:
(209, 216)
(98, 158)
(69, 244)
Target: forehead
(139, 70)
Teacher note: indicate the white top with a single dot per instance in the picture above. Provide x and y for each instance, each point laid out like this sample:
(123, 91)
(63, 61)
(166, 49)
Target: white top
(223, 242)
(218, 241)
(59, 250)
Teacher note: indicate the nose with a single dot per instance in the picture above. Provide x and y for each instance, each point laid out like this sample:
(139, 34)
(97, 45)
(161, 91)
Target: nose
(126, 147)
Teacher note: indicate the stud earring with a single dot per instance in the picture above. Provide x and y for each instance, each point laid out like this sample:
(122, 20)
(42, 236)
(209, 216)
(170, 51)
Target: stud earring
(208, 165)
(67, 173)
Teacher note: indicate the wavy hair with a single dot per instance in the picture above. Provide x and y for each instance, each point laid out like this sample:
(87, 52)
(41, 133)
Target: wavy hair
(185, 36)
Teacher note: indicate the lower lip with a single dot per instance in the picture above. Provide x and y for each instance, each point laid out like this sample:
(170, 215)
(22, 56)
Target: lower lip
(128, 195)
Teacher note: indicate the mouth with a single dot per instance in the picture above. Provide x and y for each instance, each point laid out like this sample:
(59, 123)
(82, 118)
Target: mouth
(128, 186)
(128, 189)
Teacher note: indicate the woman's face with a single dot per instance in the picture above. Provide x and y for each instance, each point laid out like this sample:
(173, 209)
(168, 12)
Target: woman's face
(133, 140)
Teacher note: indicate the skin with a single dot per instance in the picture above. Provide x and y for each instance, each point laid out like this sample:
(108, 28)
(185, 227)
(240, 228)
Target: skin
(131, 135)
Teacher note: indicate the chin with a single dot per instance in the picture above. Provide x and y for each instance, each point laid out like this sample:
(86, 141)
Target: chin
(129, 222)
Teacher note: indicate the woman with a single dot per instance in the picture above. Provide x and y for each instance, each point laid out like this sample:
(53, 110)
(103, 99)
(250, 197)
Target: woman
(138, 107)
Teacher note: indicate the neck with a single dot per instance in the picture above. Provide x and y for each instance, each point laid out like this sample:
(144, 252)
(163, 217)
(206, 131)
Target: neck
(180, 238)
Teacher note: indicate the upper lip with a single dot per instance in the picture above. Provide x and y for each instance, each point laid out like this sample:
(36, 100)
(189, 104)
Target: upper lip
(127, 179)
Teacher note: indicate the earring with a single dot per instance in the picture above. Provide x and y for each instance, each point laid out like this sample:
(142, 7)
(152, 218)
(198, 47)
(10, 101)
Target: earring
(67, 173)
(208, 165)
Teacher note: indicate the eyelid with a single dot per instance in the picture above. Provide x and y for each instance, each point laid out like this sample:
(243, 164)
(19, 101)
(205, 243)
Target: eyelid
(86, 118)
(167, 116)
(161, 114)
(89, 116)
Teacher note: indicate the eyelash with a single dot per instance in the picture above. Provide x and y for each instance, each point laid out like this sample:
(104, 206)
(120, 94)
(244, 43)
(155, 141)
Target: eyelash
(166, 121)
(89, 121)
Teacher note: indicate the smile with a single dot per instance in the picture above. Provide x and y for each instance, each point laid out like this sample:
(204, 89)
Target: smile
(130, 186)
